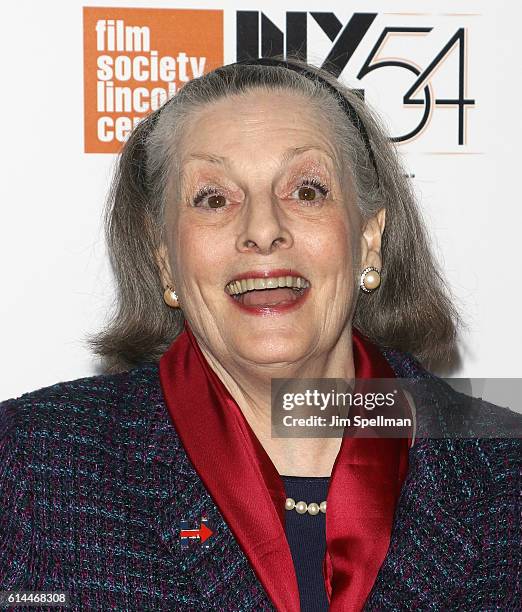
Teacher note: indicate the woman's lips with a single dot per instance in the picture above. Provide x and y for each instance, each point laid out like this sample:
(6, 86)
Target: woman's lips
(268, 292)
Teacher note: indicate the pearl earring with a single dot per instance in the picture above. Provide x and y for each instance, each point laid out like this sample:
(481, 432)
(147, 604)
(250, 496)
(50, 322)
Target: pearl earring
(370, 279)
(171, 297)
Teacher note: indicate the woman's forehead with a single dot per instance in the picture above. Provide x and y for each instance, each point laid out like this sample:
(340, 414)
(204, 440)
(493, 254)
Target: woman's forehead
(256, 120)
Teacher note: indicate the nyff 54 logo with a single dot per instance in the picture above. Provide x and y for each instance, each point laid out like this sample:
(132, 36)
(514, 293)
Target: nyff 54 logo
(396, 60)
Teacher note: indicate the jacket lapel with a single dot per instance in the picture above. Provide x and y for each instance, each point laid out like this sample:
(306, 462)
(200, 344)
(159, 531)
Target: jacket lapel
(179, 498)
(432, 553)
(229, 469)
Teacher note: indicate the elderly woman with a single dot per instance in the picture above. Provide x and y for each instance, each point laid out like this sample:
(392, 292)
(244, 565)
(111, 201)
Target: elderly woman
(260, 227)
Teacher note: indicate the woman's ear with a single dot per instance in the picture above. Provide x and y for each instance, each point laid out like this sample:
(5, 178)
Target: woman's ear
(371, 240)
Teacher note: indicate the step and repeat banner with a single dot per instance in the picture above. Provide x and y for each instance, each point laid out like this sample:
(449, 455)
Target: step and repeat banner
(78, 77)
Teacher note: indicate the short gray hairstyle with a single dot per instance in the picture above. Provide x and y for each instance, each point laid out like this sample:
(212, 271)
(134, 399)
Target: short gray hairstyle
(411, 311)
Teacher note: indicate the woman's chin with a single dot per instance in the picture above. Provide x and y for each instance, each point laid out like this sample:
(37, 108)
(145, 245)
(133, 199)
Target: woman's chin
(272, 348)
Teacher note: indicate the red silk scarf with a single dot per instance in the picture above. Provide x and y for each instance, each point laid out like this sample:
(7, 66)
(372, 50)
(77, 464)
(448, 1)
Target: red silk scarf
(365, 482)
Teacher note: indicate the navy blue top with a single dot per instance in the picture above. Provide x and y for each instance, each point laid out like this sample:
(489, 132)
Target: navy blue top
(306, 536)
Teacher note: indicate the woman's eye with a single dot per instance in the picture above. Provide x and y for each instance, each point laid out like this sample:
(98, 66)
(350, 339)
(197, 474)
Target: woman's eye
(209, 198)
(216, 201)
(311, 191)
(307, 193)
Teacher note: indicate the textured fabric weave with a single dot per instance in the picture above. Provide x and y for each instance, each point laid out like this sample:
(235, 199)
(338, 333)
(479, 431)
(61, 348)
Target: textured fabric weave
(95, 485)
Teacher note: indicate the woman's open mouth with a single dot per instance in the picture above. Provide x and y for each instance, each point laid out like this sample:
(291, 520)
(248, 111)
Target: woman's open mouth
(268, 293)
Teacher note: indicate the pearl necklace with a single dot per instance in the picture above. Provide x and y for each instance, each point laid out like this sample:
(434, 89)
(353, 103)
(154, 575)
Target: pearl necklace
(301, 507)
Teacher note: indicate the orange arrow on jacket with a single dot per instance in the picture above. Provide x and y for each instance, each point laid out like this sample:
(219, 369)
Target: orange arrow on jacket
(203, 533)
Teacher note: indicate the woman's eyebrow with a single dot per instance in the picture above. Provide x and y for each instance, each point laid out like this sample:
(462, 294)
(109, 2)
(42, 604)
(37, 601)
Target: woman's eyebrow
(209, 157)
(286, 158)
(289, 154)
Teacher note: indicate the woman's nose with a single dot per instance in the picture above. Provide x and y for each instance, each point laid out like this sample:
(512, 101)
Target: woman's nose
(263, 227)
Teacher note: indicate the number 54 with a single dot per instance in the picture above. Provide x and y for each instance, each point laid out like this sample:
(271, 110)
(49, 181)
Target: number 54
(457, 41)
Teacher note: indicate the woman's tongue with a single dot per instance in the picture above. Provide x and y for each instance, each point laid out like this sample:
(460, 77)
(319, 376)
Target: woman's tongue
(268, 297)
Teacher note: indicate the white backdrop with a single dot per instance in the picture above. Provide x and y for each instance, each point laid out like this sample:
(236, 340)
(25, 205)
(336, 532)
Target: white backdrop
(57, 284)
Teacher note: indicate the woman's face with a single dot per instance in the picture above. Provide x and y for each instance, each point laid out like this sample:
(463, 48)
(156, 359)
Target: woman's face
(263, 233)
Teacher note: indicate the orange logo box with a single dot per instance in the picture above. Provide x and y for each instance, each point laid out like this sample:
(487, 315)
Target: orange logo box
(135, 59)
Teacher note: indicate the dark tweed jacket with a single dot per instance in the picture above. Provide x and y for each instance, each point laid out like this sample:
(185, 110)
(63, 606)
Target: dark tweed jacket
(94, 484)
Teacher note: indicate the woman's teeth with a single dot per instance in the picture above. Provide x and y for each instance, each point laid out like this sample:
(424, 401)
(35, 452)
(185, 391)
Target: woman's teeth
(248, 284)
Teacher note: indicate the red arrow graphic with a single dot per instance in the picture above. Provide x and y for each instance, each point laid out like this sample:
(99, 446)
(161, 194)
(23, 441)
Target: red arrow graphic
(203, 533)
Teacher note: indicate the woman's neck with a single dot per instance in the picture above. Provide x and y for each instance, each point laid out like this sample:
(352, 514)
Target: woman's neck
(250, 386)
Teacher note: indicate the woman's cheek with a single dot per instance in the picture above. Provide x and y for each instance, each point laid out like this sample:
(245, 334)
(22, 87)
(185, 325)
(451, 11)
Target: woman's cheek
(330, 245)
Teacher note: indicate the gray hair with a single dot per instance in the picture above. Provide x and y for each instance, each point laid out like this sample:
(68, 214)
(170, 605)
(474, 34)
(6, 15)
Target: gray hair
(411, 311)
